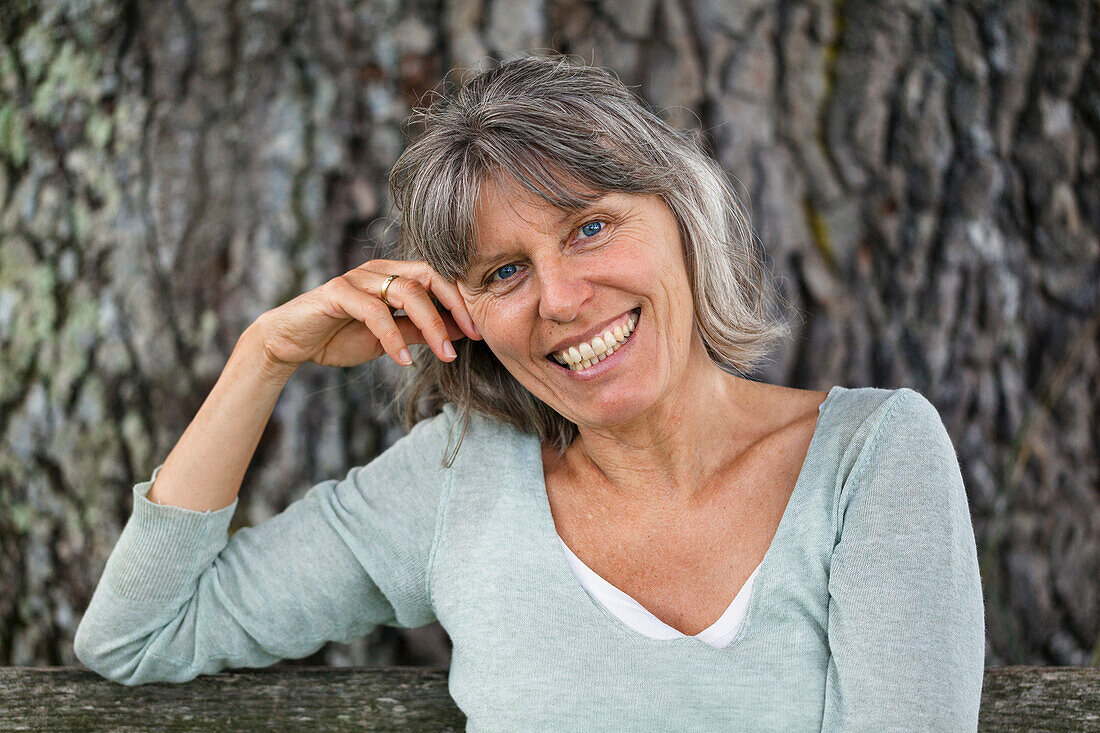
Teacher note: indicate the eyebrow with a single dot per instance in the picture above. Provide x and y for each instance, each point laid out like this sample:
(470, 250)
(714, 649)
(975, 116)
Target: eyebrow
(559, 221)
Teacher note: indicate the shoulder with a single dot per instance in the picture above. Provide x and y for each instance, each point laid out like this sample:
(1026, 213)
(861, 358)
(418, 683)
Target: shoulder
(860, 404)
(903, 511)
(905, 421)
(865, 416)
(455, 436)
(875, 429)
(905, 456)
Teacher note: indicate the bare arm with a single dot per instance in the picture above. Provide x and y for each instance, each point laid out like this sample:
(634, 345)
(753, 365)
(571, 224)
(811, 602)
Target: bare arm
(341, 323)
(205, 469)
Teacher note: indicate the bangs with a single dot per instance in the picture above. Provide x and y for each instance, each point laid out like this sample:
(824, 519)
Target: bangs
(568, 170)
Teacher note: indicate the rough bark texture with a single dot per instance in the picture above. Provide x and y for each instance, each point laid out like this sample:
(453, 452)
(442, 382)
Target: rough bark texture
(923, 175)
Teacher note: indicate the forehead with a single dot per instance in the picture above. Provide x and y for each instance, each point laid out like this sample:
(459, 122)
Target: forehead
(505, 209)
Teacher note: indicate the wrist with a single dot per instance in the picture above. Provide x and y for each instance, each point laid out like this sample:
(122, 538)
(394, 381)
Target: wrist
(252, 348)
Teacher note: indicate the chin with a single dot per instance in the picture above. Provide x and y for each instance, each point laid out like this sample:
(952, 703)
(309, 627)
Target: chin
(613, 412)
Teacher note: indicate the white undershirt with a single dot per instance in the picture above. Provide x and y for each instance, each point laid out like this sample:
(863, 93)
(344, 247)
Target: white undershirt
(633, 614)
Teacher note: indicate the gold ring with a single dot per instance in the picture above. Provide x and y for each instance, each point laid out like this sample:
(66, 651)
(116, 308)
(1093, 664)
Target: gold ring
(385, 287)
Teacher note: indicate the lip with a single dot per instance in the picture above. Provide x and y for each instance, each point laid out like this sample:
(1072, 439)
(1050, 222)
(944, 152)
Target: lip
(587, 335)
(609, 363)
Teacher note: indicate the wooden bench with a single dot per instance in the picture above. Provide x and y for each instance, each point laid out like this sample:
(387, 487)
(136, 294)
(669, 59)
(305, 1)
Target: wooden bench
(407, 699)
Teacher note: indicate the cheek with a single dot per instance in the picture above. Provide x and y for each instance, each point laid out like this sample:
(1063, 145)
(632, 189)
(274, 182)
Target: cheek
(498, 325)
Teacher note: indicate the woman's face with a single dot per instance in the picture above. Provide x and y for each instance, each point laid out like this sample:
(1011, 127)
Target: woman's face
(543, 282)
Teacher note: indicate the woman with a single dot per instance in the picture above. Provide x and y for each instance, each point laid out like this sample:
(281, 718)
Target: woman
(617, 531)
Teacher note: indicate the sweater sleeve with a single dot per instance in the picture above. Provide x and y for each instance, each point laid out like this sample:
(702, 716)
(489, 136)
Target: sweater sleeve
(906, 627)
(179, 598)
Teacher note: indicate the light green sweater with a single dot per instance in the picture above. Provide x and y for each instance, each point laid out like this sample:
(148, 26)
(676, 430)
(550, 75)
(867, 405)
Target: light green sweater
(866, 613)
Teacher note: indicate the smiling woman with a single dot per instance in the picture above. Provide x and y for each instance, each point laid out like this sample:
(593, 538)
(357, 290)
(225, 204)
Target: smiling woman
(634, 535)
(559, 153)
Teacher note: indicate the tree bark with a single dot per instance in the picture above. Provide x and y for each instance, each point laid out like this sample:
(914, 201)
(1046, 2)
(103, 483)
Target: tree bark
(922, 175)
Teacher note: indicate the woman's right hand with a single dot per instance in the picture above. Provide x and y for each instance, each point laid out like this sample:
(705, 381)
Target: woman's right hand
(345, 322)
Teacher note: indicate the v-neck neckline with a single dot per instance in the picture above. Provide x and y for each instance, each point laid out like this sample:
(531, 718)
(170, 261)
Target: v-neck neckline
(709, 634)
(552, 544)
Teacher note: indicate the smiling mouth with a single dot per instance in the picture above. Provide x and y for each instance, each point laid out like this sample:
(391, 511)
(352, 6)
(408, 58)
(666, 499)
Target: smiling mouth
(583, 355)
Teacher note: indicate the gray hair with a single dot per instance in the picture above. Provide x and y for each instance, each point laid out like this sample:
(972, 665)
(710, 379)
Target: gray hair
(568, 132)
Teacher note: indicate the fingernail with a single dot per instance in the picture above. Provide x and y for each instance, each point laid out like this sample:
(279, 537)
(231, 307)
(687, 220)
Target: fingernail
(404, 357)
(474, 326)
(448, 349)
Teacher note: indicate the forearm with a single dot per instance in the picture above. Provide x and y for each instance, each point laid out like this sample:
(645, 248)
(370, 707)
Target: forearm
(204, 471)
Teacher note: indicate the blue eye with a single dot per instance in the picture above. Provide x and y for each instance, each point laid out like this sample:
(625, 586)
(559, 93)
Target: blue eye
(589, 232)
(505, 272)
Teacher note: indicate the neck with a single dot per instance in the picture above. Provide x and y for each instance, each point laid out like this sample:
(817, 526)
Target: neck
(667, 457)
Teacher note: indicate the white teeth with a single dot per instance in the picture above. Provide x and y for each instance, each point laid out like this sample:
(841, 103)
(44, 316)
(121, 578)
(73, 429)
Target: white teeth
(599, 348)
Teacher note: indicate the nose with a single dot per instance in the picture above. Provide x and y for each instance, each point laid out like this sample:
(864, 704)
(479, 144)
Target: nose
(563, 289)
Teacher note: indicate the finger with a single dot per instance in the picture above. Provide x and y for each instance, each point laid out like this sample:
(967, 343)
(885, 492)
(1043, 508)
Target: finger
(375, 315)
(448, 295)
(410, 295)
(446, 292)
(412, 334)
(452, 326)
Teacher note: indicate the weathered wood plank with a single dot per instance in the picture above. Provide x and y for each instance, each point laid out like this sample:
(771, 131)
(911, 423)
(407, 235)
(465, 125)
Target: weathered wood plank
(1037, 699)
(272, 699)
(409, 698)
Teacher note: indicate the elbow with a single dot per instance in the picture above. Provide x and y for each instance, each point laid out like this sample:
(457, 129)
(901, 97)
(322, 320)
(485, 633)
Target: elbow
(86, 646)
(82, 647)
(127, 662)
(95, 653)
(90, 650)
